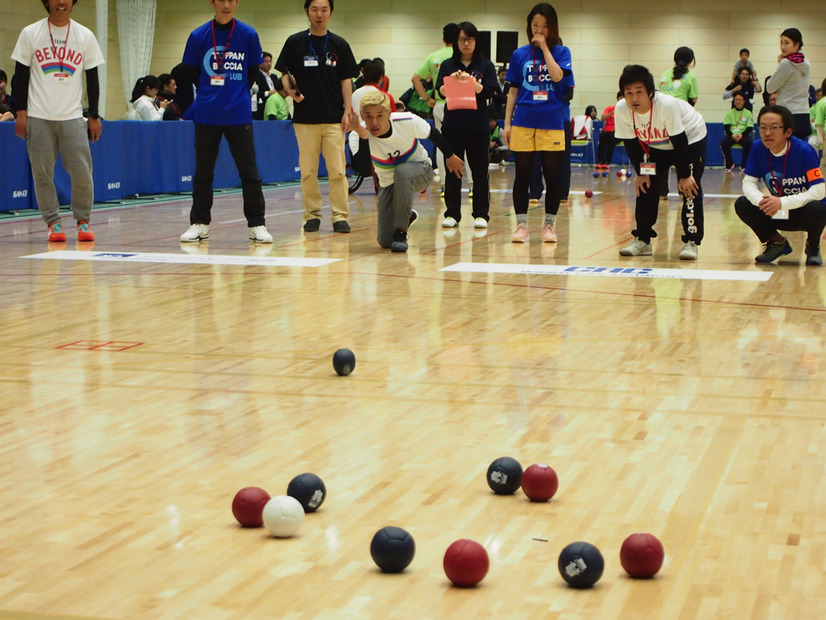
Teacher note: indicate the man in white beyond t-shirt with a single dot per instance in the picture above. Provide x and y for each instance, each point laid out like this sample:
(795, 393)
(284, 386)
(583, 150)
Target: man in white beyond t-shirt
(400, 161)
(52, 55)
(660, 131)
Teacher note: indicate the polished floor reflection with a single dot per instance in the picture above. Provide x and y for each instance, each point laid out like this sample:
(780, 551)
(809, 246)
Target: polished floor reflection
(138, 397)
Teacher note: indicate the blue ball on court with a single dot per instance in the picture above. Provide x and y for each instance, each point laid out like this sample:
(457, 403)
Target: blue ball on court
(604, 173)
(596, 175)
(344, 362)
(309, 490)
(392, 549)
(628, 174)
(504, 475)
(581, 564)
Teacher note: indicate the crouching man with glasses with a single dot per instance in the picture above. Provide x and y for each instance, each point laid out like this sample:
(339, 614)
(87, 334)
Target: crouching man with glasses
(789, 168)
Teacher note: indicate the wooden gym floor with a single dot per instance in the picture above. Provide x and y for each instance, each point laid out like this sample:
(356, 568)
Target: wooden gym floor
(138, 397)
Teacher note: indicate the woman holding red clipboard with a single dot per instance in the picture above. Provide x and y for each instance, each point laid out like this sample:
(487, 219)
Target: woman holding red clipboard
(535, 115)
(467, 80)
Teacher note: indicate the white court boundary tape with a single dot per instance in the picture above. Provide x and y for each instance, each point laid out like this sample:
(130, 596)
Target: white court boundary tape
(611, 272)
(185, 259)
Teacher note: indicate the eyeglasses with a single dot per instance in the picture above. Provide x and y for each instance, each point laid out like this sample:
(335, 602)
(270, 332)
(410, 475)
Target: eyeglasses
(772, 128)
(463, 40)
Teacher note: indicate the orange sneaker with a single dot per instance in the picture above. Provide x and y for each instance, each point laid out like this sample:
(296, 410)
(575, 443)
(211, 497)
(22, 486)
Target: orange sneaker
(548, 234)
(56, 232)
(84, 233)
(520, 235)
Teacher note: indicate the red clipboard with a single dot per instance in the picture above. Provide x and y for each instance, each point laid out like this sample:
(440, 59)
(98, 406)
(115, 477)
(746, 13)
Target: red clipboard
(460, 94)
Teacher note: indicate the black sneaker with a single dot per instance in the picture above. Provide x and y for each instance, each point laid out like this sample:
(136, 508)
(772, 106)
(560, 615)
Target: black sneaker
(312, 225)
(813, 255)
(341, 226)
(774, 250)
(414, 215)
(399, 242)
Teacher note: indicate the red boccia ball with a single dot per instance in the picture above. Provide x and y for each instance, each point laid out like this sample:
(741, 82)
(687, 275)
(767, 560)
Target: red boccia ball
(248, 506)
(540, 482)
(641, 555)
(466, 562)
(588, 193)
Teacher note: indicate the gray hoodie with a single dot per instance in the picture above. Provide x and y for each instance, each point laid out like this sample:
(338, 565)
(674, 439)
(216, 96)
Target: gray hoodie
(791, 83)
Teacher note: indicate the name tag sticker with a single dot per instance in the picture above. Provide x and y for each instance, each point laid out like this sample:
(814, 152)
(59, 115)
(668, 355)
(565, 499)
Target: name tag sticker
(648, 170)
(217, 80)
(781, 215)
(310, 61)
(540, 95)
(61, 78)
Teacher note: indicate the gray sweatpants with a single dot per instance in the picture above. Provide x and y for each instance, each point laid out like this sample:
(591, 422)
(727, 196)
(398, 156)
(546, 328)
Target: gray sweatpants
(395, 202)
(45, 140)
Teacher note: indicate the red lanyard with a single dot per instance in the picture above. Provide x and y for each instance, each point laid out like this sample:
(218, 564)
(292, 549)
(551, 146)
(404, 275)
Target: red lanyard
(54, 47)
(771, 170)
(644, 145)
(220, 60)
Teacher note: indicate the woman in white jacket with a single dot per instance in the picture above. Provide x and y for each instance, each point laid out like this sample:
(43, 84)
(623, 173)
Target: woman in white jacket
(791, 81)
(143, 98)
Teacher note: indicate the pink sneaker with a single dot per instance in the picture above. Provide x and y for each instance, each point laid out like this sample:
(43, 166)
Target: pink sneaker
(520, 235)
(548, 234)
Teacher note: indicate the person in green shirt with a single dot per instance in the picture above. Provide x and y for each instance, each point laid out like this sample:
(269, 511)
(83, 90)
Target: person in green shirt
(430, 70)
(277, 108)
(739, 128)
(679, 81)
(819, 122)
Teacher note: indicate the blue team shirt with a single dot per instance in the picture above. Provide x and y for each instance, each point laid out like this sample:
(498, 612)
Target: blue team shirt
(230, 104)
(802, 168)
(529, 73)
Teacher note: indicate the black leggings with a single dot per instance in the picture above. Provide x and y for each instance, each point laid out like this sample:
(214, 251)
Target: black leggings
(551, 161)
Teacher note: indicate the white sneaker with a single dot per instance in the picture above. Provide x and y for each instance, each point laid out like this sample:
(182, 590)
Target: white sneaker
(259, 234)
(480, 222)
(689, 251)
(449, 222)
(637, 247)
(195, 233)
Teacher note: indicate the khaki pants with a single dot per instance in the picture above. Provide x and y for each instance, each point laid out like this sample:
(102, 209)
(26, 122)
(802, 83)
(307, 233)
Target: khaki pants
(327, 140)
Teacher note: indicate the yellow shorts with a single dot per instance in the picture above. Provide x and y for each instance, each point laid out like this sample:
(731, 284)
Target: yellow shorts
(527, 139)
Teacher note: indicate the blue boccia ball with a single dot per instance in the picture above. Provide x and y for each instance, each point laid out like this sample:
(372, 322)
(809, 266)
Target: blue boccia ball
(392, 549)
(581, 564)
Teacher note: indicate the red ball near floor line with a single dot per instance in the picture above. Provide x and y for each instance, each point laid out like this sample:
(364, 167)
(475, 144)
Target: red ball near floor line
(248, 506)
(466, 562)
(540, 482)
(588, 193)
(642, 555)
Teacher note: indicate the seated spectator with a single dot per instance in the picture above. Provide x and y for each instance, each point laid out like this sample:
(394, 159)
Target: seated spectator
(497, 151)
(143, 98)
(359, 81)
(819, 121)
(582, 127)
(414, 103)
(372, 74)
(6, 113)
(789, 168)
(266, 87)
(5, 98)
(167, 93)
(744, 63)
(739, 127)
(385, 81)
(746, 84)
(277, 107)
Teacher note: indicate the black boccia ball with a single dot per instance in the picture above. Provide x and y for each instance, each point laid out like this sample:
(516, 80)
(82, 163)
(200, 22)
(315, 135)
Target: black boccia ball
(309, 490)
(504, 475)
(344, 361)
(581, 564)
(392, 549)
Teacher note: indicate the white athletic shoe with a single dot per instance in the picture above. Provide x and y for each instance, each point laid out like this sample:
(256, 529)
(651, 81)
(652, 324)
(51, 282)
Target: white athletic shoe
(480, 222)
(449, 222)
(689, 251)
(637, 247)
(195, 233)
(259, 234)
